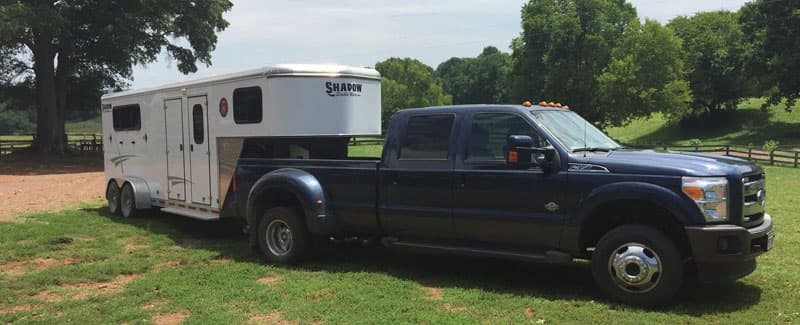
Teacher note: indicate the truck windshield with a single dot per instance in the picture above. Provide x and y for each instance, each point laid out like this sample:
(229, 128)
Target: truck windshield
(573, 131)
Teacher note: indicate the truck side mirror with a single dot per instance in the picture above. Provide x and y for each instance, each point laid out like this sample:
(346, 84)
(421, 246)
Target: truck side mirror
(522, 155)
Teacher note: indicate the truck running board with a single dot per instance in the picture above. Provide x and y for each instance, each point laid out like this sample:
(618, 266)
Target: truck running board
(550, 256)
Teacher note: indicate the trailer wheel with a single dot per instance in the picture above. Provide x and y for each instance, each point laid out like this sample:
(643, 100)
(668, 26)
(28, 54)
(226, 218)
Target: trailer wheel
(128, 201)
(282, 236)
(113, 197)
(638, 265)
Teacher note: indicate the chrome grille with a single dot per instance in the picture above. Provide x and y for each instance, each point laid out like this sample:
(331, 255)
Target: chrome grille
(754, 198)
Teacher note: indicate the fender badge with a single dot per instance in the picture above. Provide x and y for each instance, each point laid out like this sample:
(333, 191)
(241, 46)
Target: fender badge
(552, 207)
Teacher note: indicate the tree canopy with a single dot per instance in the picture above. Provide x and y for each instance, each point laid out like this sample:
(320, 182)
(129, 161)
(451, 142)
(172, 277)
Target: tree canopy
(773, 28)
(646, 75)
(408, 83)
(714, 50)
(479, 80)
(563, 47)
(102, 40)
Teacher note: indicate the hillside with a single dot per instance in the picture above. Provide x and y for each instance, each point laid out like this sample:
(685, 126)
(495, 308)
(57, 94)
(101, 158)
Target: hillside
(747, 125)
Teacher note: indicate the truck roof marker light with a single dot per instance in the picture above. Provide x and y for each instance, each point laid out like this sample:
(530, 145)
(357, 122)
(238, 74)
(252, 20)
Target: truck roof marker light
(542, 103)
(558, 105)
(551, 104)
(319, 202)
(527, 103)
(565, 107)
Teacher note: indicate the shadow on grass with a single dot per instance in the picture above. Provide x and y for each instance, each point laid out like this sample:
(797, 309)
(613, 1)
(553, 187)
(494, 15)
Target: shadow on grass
(31, 164)
(571, 282)
(740, 127)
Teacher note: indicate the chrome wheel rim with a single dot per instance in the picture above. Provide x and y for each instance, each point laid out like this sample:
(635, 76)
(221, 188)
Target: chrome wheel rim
(635, 267)
(279, 238)
(127, 203)
(113, 197)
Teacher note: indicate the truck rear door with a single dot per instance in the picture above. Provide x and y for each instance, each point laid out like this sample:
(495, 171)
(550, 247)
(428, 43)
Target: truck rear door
(416, 178)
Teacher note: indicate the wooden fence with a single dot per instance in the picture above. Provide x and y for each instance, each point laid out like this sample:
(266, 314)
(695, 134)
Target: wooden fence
(81, 142)
(785, 155)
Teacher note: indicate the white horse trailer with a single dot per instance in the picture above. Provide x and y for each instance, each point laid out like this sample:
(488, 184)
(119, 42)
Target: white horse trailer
(176, 147)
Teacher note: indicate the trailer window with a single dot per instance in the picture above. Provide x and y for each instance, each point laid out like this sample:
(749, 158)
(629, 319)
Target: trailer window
(197, 124)
(247, 105)
(127, 118)
(427, 137)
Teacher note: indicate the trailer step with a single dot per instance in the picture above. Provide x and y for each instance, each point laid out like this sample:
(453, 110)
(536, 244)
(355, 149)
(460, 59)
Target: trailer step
(549, 256)
(192, 213)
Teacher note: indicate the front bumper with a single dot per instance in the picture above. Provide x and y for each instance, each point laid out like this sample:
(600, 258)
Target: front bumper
(728, 252)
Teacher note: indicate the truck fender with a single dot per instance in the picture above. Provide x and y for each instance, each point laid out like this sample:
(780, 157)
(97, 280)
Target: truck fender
(305, 187)
(141, 190)
(680, 208)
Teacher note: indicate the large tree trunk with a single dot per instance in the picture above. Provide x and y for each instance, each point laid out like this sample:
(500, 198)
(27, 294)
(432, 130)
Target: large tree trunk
(49, 130)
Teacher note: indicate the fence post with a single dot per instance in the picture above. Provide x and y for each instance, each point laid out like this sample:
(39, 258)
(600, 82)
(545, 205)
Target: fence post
(749, 153)
(727, 150)
(795, 158)
(772, 157)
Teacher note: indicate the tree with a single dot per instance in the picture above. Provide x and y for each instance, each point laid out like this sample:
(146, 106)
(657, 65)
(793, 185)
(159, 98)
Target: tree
(714, 49)
(775, 58)
(480, 80)
(103, 38)
(563, 47)
(408, 83)
(646, 75)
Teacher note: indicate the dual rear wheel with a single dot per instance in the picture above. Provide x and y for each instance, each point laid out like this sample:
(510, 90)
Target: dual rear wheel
(121, 201)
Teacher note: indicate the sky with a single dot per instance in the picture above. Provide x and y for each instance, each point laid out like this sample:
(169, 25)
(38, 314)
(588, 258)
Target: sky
(364, 32)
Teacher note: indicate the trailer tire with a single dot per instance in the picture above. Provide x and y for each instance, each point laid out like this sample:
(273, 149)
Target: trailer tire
(638, 265)
(113, 197)
(282, 237)
(127, 202)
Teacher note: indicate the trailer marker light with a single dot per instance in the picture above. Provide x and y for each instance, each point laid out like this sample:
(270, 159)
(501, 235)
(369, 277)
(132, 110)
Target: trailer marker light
(223, 107)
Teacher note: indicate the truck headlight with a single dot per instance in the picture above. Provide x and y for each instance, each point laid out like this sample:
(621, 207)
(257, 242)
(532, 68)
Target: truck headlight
(710, 194)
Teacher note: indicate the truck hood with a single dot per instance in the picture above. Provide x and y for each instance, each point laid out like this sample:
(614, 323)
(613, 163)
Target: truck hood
(674, 163)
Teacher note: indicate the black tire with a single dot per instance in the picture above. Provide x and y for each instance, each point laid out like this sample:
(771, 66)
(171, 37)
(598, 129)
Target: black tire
(113, 197)
(127, 202)
(274, 247)
(624, 261)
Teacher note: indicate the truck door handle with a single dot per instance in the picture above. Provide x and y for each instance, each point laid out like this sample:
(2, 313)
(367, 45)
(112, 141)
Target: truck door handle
(462, 181)
(395, 178)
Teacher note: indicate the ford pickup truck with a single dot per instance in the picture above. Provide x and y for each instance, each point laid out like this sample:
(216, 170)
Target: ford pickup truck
(526, 182)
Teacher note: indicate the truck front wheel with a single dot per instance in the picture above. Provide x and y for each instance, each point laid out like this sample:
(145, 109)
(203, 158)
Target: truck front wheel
(638, 265)
(282, 236)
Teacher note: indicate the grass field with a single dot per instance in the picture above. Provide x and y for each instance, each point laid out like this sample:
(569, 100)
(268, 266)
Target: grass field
(747, 125)
(164, 267)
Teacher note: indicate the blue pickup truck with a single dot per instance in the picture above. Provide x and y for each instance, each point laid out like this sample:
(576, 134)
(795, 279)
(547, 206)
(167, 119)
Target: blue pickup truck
(525, 182)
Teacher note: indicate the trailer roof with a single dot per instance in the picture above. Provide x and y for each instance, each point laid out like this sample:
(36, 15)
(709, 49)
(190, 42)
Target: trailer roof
(281, 70)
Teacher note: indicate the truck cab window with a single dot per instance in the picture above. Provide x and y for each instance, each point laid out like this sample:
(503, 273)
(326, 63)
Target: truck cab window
(427, 137)
(197, 124)
(490, 132)
(127, 118)
(247, 105)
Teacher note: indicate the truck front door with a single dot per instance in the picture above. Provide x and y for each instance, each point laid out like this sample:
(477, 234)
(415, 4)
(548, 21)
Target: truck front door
(417, 179)
(494, 204)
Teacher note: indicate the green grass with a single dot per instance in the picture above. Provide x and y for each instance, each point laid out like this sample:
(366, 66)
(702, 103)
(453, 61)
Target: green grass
(747, 125)
(88, 126)
(365, 151)
(213, 278)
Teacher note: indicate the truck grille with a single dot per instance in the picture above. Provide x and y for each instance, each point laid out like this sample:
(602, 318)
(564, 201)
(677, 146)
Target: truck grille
(755, 197)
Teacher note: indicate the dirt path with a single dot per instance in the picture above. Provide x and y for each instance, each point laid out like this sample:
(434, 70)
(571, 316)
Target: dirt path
(30, 185)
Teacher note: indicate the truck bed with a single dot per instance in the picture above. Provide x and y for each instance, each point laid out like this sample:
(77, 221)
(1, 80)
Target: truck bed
(351, 186)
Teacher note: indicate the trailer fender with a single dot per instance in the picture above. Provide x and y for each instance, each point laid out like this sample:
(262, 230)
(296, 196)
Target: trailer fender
(305, 187)
(141, 190)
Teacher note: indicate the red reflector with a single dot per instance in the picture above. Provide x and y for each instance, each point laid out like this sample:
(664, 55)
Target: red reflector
(513, 157)
(235, 183)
